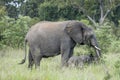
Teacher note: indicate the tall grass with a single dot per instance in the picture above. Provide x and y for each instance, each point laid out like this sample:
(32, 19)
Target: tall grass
(50, 68)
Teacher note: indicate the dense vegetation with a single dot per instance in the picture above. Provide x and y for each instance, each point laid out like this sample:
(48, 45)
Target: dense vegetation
(17, 16)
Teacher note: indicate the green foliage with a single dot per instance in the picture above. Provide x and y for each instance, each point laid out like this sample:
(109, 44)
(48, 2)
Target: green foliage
(5, 24)
(12, 11)
(13, 31)
(106, 39)
(69, 13)
(2, 11)
(85, 21)
(62, 9)
(48, 11)
(58, 11)
(12, 7)
(114, 15)
(30, 8)
(116, 30)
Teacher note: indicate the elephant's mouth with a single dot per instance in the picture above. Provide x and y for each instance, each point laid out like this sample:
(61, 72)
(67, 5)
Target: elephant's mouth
(82, 43)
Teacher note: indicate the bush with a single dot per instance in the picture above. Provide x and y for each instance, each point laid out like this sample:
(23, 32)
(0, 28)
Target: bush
(85, 21)
(13, 31)
(107, 40)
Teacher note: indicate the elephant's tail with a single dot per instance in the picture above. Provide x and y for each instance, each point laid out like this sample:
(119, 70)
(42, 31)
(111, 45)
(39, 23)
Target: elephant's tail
(23, 61)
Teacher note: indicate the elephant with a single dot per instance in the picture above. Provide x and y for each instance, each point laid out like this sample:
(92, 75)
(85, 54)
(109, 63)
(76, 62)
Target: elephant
(78, 61)
(47, 39)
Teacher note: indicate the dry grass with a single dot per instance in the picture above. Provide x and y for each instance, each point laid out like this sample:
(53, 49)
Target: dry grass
(50, 68)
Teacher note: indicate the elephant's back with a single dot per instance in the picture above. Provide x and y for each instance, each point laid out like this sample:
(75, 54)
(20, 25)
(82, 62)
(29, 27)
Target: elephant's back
(46, 30)
(47, 26)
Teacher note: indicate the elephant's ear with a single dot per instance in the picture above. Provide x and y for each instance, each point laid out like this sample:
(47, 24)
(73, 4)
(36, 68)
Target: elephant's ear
(75, 30)
(69, 27)
(73, 27)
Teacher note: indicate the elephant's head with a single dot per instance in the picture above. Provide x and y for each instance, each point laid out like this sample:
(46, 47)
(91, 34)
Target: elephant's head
(82, 34)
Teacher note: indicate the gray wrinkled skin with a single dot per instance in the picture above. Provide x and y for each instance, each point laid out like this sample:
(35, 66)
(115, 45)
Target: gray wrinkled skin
(48, 39)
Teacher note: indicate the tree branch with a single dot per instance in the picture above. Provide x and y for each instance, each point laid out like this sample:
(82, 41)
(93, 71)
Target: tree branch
(101, 9)
(103, 17)
(92, 20)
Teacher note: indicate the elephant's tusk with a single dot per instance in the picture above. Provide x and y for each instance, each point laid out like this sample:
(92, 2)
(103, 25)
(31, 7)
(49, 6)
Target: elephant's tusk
(97, 48)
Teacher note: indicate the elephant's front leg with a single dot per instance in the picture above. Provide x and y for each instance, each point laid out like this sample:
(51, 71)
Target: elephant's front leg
(66, 52)
(65, 57)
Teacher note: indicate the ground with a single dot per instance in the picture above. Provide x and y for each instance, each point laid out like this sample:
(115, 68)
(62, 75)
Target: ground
(50, 69)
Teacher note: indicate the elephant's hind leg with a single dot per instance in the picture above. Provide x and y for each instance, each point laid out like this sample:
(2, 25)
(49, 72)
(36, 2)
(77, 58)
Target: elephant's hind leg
(31, 61)
(35, 51)
(37, 60)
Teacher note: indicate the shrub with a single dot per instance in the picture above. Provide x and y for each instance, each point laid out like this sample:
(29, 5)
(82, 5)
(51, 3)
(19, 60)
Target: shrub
(85, 21)
(13, 31)
(107, 40)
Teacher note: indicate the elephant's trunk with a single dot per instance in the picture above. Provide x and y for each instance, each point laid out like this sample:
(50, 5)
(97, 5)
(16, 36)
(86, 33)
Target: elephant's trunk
(94, 44)
(97, 50)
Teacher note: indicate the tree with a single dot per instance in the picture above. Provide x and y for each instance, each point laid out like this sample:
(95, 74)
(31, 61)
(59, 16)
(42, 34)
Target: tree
(2, 11)
(95, 10)
(12, 7)
(115, 14)
(30, 8)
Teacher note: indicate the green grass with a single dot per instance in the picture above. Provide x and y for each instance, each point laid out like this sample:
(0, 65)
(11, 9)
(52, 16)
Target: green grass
(50, 68)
